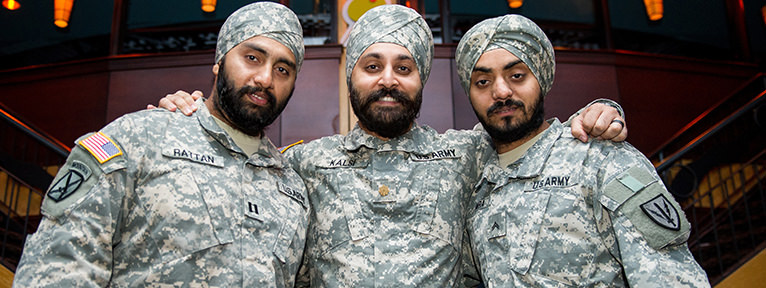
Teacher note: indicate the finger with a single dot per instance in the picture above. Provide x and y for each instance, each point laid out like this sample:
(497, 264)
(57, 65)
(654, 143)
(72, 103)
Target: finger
(196, 95)
(614, 129)
(190, 98)
(166, 104)
(150, 106)
(577, 129)
(620, 134)
(591, 120)
(181, 100)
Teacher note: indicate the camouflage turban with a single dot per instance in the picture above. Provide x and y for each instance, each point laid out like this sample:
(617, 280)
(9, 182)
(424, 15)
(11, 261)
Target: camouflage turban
(392, 24)
(514, 33)
(266, 19)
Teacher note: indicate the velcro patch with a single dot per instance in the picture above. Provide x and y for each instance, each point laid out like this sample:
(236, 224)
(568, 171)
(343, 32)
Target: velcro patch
(188, 154)
(70, 182)
(252, 210)
(659, 219)
(623, 187)
(343, 162)
(293, 194)
(435, 155)
(662, 212)
(101, 147)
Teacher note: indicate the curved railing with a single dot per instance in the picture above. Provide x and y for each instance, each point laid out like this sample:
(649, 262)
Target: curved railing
(716, 168)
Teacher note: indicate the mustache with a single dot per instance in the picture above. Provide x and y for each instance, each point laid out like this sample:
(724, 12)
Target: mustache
(244, 90)
(502, 104)
(397, 94)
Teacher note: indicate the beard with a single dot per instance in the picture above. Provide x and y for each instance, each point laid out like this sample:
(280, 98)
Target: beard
(506, 131)
(389, 122)
(243, 115)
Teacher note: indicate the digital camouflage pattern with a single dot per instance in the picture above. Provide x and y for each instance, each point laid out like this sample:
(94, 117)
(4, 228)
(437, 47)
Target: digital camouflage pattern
(514, 33)
(183, 206)
(387, 213)
(269, 19)
(395, 24)
(570, 214)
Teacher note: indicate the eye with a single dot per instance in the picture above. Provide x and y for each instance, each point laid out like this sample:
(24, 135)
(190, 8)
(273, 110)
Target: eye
(251, 58)
(403, 69)
(482, 83)
(517, 76)
(372, 67)
(283, 71)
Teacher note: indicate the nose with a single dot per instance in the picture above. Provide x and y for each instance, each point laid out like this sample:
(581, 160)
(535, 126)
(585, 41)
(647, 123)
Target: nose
(263, 77)
(501, 89)
(388, 78)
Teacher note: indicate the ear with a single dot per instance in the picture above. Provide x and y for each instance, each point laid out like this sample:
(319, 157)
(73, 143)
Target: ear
(215, 69)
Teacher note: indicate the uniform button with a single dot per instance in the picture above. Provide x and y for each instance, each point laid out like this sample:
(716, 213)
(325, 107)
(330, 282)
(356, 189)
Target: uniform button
(383, 190)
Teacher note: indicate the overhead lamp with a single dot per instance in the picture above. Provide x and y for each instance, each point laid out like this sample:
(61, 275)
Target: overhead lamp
(763, 13)
(515, 3)
(208, 5)
(61, 11)
(11, 4)
(653, 9)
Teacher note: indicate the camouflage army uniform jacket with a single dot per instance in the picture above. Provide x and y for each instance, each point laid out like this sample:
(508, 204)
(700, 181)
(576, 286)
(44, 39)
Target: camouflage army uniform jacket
(387, 213)
(182, 206)
(573, 214)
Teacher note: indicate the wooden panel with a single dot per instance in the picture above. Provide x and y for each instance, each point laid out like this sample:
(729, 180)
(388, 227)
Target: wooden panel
(658, 103)
(576, 85)
(64, 107)
(465, 117)
(131, 90)
(313, 111)
(436, 110)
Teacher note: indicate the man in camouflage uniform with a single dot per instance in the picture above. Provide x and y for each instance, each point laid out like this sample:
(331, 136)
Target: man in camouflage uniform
(160, 199)
(553, 211)
(388, 199)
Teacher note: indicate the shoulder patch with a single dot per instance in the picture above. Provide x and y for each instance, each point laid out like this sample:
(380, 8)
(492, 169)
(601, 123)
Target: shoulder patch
(101, 147)
(68, 184)
(283, 149)
(662, 212)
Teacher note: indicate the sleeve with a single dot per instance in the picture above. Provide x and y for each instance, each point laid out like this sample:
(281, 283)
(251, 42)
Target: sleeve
(73, 243)
(649, 226)
(607, 102)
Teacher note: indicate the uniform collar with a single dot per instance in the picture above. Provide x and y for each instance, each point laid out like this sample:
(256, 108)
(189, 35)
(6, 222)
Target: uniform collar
(416, 140)
(531, 164)
(270, 156)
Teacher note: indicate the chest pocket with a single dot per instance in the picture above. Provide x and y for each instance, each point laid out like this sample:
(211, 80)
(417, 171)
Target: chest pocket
(184, 213)
(506, 229)
(337, 203)
(271, 223)
(440, 196)
(567, 240)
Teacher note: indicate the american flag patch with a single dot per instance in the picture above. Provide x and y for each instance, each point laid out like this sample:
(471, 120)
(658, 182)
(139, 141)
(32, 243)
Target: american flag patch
(101, 147)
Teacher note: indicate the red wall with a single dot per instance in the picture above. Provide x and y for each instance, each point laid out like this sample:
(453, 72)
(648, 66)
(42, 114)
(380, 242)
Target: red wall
(659, 94)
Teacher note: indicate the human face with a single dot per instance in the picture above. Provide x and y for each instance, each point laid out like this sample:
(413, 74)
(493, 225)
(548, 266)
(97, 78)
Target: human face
(254, 82)
(385, 90)
(506, 96)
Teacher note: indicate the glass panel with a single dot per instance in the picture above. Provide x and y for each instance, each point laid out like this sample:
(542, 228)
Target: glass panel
(695, 30)
(152, 29)
(568, 23)
(29, 37)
